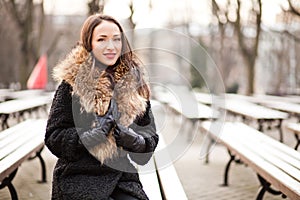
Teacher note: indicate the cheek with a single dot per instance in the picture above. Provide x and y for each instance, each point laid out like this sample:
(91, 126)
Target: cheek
(97, 47)
(119, 48)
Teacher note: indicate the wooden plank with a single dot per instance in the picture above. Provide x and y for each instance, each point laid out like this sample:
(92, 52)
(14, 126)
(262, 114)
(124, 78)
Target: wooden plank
(149, 179)
(247, 137)
(196, 111)
(6, 132)
(205, 98)
(17, 105)
(278, 98)
(293, 126)
(169, 180)
(278, 149)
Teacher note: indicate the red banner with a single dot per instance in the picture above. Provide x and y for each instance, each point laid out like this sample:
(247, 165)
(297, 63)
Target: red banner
(39, 76)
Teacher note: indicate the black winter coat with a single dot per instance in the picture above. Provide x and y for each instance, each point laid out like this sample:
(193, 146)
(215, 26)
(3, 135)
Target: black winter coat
(77, 174)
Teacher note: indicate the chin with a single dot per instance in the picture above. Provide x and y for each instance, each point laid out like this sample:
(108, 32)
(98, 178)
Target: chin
(111, 63)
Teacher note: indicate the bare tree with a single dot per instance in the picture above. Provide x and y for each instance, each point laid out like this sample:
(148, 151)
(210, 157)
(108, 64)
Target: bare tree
(222, 47)
(9, 49)
(96, 6)
(247, 28)
(249, 48)
(30, 26)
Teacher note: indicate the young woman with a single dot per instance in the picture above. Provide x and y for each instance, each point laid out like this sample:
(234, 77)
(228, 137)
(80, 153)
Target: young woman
(100, 118)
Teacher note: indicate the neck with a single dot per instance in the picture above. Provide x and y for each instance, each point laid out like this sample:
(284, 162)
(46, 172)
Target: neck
(100, 65)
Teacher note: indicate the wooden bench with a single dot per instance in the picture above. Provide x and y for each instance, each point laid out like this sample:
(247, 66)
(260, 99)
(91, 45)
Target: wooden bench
(295, 128)
(18, 107)
(260, 114)
(160, 181)
(17, 144)
(275, 163)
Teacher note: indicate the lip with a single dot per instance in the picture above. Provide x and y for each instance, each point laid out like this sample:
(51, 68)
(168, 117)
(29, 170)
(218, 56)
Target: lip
(110, 55)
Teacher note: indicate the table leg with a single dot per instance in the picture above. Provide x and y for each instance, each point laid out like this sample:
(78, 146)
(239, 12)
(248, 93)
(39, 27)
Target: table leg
(280, 131)
(298, 141)
(260, 125)
(4, 118)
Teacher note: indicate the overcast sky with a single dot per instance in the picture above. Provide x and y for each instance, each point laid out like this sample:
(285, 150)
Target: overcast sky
(162, 10)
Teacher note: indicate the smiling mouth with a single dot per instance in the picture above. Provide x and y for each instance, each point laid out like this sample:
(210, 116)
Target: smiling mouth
(110, 55)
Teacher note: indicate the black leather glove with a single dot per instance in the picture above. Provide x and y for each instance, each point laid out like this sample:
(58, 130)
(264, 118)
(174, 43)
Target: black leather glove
(103, 126)
(129, 140)
(105, 123)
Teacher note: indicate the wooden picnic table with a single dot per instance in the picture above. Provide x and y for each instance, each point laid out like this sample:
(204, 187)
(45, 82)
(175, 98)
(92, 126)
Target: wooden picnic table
(261, 114)
(276, 103)
(18, 107)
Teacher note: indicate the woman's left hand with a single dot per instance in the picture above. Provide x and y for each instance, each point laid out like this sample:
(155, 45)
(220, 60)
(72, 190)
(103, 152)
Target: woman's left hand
(129, 139)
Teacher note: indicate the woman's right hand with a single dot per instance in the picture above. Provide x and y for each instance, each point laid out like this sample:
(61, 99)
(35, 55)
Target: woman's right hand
(106, 122)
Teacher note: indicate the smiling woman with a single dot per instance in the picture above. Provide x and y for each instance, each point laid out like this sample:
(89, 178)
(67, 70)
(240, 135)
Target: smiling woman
(100, 118)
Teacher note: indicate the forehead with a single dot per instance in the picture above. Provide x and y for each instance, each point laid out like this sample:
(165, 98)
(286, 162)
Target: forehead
(106, 28)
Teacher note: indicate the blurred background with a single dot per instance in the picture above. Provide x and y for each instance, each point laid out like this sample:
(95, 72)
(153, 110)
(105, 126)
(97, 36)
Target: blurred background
(253, 44)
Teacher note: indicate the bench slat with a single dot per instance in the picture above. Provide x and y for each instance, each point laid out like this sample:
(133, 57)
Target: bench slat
(6, 132)
(149, 179)
(267, 153)
(17, 134)
(270, 141)
(269, 148)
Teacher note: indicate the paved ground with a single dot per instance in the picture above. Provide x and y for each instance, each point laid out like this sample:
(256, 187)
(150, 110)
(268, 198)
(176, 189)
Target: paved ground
(201, 181)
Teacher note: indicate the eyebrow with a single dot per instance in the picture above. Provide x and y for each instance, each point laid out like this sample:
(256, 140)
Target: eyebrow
(116, 35)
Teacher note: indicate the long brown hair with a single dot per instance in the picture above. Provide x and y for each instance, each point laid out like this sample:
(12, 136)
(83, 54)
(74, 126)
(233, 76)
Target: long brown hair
(127, 57)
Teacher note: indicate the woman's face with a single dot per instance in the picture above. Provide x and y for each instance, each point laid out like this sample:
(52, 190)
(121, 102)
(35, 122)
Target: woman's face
(107, 43)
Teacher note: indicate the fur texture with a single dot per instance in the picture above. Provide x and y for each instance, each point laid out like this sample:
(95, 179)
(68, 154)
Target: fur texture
(95, 91)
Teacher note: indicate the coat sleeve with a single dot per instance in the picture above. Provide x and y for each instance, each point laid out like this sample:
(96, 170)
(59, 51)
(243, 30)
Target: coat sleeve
(145, 126)
(61, 136)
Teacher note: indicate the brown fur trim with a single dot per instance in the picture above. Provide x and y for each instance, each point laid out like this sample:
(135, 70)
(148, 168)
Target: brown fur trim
(105, 150)
(95, 91)
(67, 68)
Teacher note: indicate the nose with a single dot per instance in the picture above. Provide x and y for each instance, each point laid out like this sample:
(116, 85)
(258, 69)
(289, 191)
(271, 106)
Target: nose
(110, 45)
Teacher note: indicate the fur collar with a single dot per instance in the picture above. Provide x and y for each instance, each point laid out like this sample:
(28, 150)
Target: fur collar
(95, 90)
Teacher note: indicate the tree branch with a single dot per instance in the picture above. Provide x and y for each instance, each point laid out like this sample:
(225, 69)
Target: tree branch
(14, 10)
(293, 9)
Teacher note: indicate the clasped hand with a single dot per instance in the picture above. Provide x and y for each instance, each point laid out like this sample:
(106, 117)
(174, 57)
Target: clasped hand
(125, 137)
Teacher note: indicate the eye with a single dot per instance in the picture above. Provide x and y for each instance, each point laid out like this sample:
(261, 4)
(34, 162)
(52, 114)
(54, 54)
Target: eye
(117, 39)
(100, 40)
